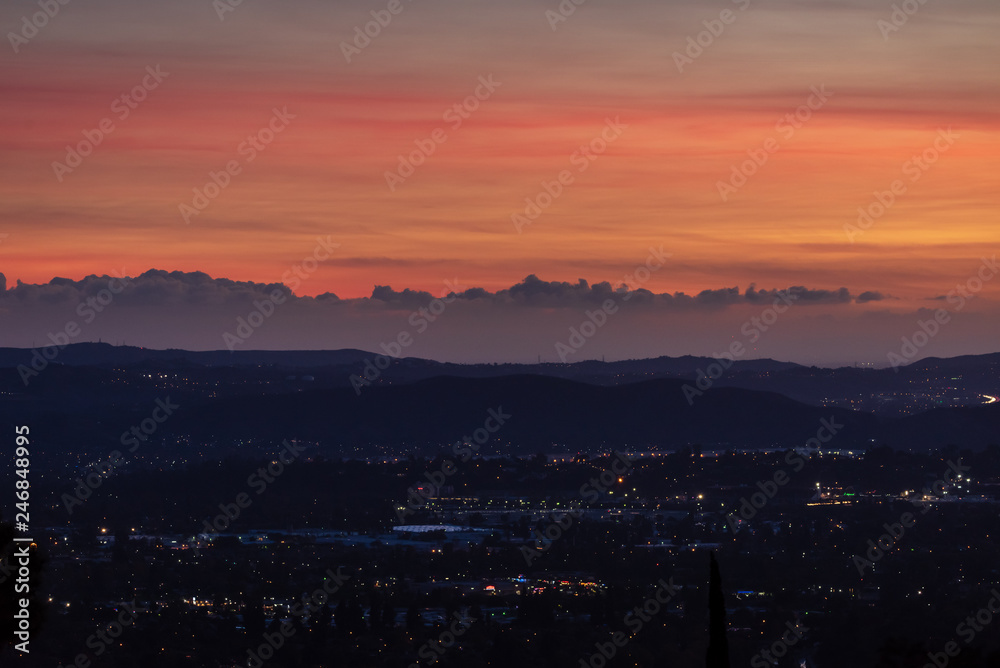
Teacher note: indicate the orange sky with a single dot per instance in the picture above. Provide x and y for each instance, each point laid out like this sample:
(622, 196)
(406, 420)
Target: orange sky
(656, 184)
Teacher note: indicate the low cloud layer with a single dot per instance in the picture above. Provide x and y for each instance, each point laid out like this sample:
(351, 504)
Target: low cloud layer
(464, 323)
(161, 288)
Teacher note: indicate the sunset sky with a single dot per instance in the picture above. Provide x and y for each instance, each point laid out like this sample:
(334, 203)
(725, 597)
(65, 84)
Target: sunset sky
(923, 89)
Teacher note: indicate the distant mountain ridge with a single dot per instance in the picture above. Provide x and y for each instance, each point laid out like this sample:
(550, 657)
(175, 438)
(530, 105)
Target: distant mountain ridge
(85, 409)
(905, 390)
(105, 354)
(544, 412)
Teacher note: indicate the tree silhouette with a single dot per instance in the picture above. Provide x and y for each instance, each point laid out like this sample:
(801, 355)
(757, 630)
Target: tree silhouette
(718, 647)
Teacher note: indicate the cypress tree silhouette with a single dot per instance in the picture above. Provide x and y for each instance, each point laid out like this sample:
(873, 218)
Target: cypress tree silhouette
(718, 647)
